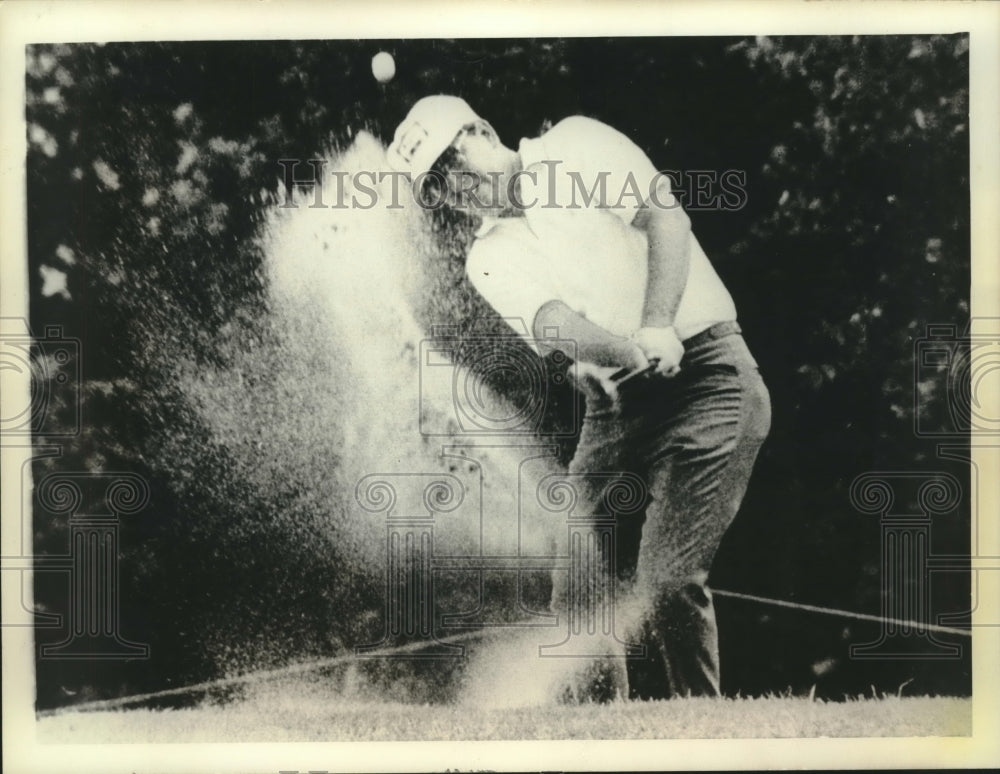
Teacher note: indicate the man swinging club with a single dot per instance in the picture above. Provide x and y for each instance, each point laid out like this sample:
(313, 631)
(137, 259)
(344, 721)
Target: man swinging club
(626, 280)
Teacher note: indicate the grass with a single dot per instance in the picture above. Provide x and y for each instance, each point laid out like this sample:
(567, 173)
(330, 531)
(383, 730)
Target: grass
(298, 712)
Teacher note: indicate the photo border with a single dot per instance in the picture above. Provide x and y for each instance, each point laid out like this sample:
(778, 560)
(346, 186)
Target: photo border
(26, 21)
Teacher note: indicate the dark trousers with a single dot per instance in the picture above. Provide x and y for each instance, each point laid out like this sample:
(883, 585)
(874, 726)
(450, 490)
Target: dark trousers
(692, 439)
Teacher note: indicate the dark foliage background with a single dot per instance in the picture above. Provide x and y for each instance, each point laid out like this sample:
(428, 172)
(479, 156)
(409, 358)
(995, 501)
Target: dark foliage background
(150, 166)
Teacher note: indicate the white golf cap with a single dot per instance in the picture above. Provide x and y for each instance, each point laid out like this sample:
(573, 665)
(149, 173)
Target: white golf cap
(429, 128)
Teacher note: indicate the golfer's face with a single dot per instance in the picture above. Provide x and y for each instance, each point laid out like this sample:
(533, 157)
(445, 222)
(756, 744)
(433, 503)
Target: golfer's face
(485, 157)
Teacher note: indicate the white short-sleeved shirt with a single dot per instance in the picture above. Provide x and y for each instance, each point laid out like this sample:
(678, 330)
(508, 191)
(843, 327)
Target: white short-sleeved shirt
(585, 253)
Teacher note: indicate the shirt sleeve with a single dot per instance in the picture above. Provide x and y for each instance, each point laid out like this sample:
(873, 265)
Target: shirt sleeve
(511, 280)
(589, 151)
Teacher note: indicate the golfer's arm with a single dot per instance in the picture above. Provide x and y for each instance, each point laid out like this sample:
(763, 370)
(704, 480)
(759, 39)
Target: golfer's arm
(668, 231)
(591, 342)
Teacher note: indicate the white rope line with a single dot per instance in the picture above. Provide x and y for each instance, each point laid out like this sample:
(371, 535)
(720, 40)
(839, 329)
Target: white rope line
(259, 676)
(919, 625)
(334, 661)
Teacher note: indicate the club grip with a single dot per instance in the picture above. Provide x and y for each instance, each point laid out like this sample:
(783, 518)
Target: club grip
(626, 374)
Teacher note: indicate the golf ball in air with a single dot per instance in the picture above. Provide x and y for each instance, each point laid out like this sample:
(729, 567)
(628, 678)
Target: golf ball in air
(383, 66)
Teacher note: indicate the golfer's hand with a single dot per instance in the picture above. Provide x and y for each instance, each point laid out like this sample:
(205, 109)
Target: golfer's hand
(615, 353)
(661, 344)
(629, 355)
(595, 378)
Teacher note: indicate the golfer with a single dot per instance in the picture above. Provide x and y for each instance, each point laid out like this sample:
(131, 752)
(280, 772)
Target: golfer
(576, 232)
